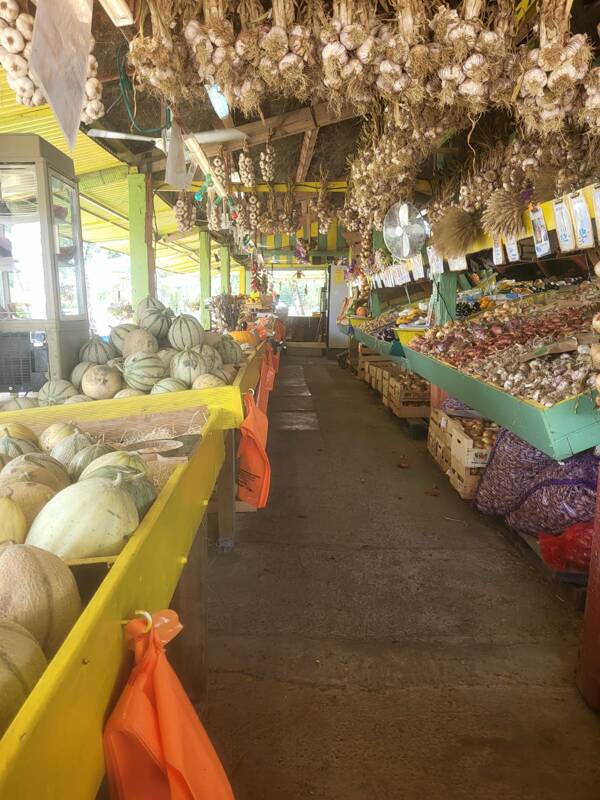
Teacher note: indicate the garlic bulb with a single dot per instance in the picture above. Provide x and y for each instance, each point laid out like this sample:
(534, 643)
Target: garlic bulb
(24, 24)
(9, 10)
(267, 163)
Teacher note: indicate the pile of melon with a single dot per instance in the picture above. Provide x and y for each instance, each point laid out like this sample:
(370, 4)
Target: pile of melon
(160, 354)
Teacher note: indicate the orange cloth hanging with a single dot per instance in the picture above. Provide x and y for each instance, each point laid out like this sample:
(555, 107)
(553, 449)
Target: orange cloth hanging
(154, 744)
(254, 474)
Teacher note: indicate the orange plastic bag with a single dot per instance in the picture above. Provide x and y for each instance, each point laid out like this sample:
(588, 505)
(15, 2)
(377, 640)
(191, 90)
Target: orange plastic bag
(265, 386)
(254, 473)
(154, 744)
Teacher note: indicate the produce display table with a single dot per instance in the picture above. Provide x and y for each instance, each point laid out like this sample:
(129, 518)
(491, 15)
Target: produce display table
(563, 430)
(391, 349)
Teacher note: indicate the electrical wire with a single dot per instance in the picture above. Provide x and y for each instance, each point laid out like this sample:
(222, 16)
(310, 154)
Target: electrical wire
(126, 89)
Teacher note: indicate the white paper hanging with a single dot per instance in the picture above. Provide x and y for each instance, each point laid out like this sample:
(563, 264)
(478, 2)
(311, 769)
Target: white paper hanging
(417, 267)
(62, 35)
(176, 172)
(596, 199)
(498, 252)
(540, 232)
(512, 249)
(564, 226)
(584, 234)
(458, 264)
(436, 262)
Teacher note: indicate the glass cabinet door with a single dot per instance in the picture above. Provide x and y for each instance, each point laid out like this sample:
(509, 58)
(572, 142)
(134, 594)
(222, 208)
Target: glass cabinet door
(22, 288)
(67, 247)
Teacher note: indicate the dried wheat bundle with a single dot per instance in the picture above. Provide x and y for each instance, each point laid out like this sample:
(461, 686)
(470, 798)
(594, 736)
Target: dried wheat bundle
(455, 232)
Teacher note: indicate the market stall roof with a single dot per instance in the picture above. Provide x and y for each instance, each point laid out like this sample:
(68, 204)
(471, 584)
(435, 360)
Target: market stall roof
(103, 188)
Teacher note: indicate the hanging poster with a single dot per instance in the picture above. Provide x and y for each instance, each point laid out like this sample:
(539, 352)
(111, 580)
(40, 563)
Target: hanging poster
(512, 249)
(458, 264)
(584, 233)
(540, 232)
(417, 267)
(498, 252)
(596, 199)
(436, 262)
(564, 227)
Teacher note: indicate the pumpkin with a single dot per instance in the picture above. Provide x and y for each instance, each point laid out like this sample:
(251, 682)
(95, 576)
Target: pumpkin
(128, 393)
(78, 372)
(156, 320)
(101, 382)
(17, 403)
(54, 433)
(36, 467)
(139, 341)
(142, 370)
(145, 304)
(165, 385)
(97, 351)
(18, 431)
(187, 365)
(118, 334)
(53, 393)
(166, 356)
(22, 663)
(91, 518)
(212, 338)
(229, 350)
(120, 458)
(139, 487)
(30, 497)
(84, 458)
(67, 448)
(13, 523)
(77, 398)
(47, 603)
(12, 447)
(185, 331)
(208, 381)
(244, 337)
(211, 356)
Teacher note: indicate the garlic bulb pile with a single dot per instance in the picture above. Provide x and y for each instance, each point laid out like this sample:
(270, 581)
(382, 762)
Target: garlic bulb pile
(286, 51)
(16, 33)
(212, 215)
(185, 212)
(242, 219)
(246, 167)
(322, 207)
(219, 168)
(267, 163)
(589, 112)
(253, 211)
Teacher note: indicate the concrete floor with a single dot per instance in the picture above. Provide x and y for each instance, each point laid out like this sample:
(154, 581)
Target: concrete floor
(374, 638)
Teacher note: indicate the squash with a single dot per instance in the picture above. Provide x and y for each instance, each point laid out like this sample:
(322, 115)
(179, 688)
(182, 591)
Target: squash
(208, 381)
(142, 370)
(129, 392)
(78, 398)
(139, 341)
(36, 467)
(120, 458)
(137, 485)
(9, 446)
(53, 393)
(17, 403)
(22, 663)
(187, 366)
(13, 523)
(18, 431)
(211, 356)
(78, 372)
(118, 334)
(47, 603)
(91, 518)
(101, 382)
(230, 351)
(166, 356)
(30, 497)
(54, 433)
(146, 303)
(67, 448)
(97, 351)
(156, 320)
(84, 458)
(185, 331)
(165, 385)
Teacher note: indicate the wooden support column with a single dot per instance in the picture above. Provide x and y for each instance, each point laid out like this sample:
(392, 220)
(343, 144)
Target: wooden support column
(205, 256)
(445, 297)
(306, 154)
(225, 269)
(141, 237)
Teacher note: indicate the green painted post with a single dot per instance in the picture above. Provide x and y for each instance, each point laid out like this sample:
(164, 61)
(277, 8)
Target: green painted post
(141, 246)
(205, 255)
(225, 269)
(445, 297)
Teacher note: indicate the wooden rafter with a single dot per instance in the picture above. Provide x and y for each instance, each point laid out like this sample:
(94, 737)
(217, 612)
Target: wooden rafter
(306, 154)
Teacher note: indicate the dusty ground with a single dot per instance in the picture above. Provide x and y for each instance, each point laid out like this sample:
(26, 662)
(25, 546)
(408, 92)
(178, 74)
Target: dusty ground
(370, 641)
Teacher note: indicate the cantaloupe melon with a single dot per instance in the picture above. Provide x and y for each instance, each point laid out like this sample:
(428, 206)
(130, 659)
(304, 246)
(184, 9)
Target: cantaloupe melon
(187, 366)
(165, 385)
(156, 320)
(64, 451)
(166, 356)
(13, 523)
(118, 334)
(36, 467)
(54, 393)
(230, 351)
(139, 341)
(22, 663)
(47, 602)
(212, 357)
(212, 338)
(146, 303)
(78, 372)
(101, 382)
(142, 370)
(139, 487)
(4, 460)
(84, 458)
(88, 519)
(223, 375)
(78, 398)
(185, 331)
(97, 351)
(208, 381)
(54, 433)
(18, 431)
(15, 447)
(120, 458)
(129, 392)
(30, 497)
(17, 403)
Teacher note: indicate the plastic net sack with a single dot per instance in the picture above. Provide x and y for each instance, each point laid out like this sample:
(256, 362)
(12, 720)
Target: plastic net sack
(563, 493)
(571, 550)
(512, 466)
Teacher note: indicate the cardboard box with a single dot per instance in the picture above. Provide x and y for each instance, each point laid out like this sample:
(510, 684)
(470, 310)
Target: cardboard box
(465, 481)
(464, 452)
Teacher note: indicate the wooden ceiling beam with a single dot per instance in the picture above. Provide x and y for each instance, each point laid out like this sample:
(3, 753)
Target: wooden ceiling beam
(306, 153)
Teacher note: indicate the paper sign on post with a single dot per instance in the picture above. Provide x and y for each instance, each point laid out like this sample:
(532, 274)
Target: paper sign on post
(564, 227)
(584, 233)
(458, 264)
(540, 232)
(512, 249)
(62, 35)
(436, 262)
(417, 267)
(498, 251)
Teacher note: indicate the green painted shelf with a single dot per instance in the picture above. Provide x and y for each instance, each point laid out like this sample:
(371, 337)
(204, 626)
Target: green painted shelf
(390, 349)
(561, 431)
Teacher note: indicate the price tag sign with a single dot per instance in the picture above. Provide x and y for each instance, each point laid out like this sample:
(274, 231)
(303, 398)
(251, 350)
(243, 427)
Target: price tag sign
(436, 262)
(596, 199)
(458, 264)
(584, 233)
(498, 252)
(417, 266)
(564, 226)
(512, 249)
(540, 232)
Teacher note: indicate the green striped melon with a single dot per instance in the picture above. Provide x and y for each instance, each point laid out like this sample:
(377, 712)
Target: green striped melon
(187, 366)
(229, 350)
(137, 485)
(211, 356)
(166, 355)
(22, 663)
(12, 447)
(185, 331)
(139, 341)
(223, 376)
(118, 334)
(47, 603)
(101, 382)
(78, 398)
(156, 320)
(208, 381)
(165, 385)
(97, 351)
(84, 458)
(78, 372)
(17, 403)
(142, 370)
(116, 362)
(64, 451)
(120, 458)
(38, 468)
(230, 371)
(54, 393)
(129, 392)
(145, 304)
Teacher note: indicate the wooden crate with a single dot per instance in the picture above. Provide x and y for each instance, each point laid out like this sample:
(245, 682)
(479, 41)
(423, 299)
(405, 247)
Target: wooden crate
(465, 480)
(464, 452)
(366, 357)
(409, 408)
